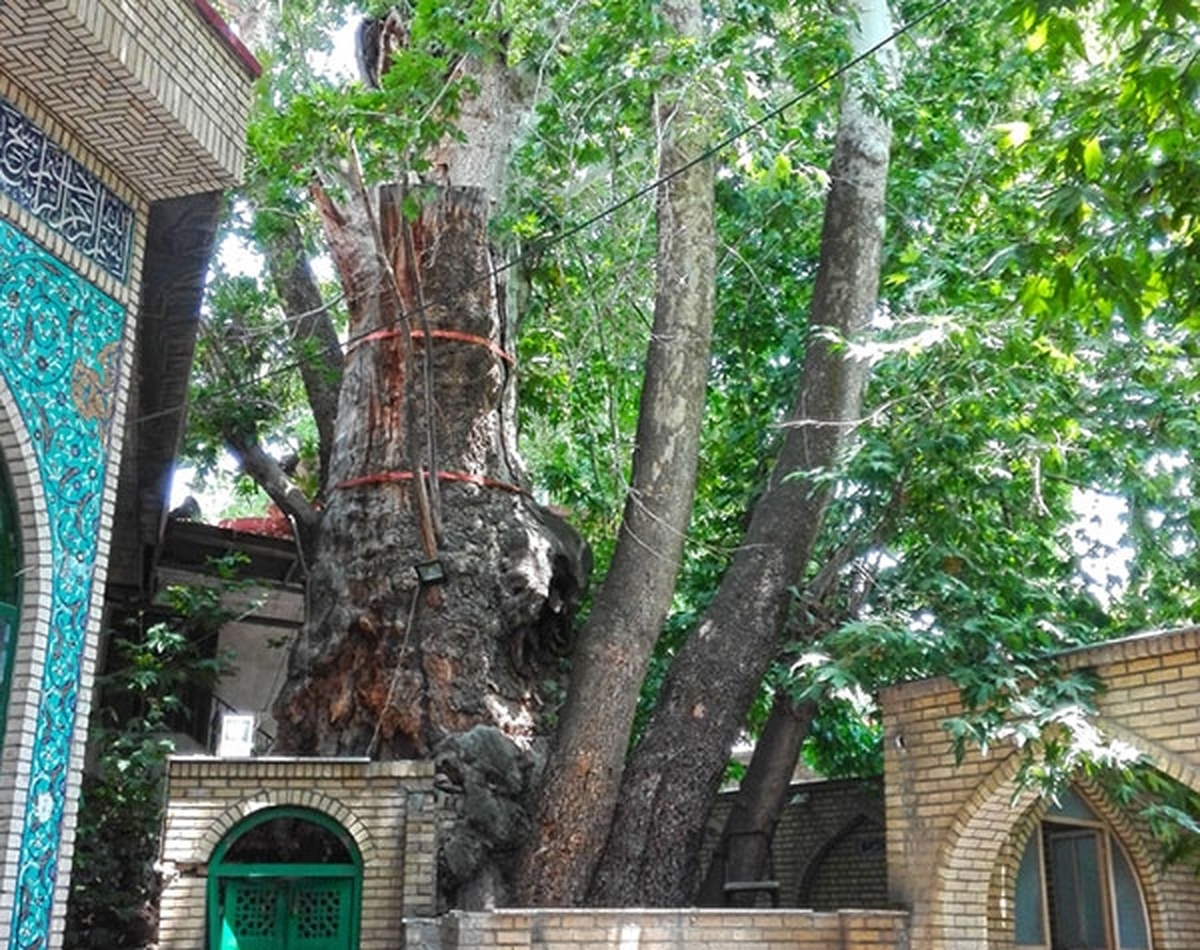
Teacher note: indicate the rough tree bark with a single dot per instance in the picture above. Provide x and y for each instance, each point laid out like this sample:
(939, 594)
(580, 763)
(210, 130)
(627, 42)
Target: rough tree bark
(584, 770)
(422, 469)
(744, 851)
(651, 856)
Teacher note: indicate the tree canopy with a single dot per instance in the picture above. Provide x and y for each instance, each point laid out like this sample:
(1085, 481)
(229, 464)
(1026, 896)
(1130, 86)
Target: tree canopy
(1020, 475)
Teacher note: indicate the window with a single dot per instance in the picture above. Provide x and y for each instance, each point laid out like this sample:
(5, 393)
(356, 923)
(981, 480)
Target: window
(10, 572)
(1076, 889)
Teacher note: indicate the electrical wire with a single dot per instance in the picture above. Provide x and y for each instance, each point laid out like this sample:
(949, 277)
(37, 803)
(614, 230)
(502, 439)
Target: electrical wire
(539, 247)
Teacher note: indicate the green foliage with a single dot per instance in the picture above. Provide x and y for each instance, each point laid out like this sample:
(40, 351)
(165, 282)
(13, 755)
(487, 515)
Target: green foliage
(585, 320)
(1034, 353)
(306, 123)
(844, 741)
(1170, 808)
(244, 338)
(141, 701)
(1034, 349)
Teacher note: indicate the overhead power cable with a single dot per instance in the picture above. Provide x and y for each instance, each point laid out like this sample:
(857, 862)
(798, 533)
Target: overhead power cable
(540, 246)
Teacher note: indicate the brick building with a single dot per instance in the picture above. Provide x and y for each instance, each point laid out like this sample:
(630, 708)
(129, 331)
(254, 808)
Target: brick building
(242, 852)
(120, 125)
(938, 856)
(981, 864)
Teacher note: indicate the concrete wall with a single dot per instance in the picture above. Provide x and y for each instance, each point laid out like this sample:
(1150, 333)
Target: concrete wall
(257, 643)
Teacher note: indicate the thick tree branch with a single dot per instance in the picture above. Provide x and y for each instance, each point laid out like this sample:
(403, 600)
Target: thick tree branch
(653, 846)
(314, 338)
(267, 473)
(744, 851)
(584, 770)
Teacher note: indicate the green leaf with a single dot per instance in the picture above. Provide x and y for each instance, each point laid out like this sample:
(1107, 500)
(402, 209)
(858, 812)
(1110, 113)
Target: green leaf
(1093, 158)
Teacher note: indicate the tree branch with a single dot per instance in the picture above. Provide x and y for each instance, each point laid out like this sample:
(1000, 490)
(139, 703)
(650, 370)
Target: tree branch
(256, 462)
(314, 338)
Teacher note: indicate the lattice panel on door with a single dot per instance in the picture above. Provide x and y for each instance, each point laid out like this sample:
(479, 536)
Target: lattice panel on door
(317, 912)
(255, 911)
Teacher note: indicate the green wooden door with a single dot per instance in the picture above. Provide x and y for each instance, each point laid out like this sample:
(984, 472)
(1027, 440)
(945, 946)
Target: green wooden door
(286, 913)
(285, 878)
(319, 914)
(253, 914)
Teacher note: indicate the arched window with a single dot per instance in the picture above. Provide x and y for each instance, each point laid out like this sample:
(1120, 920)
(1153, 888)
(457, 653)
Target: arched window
(10, 574)
(1076, 887)
(285, 879)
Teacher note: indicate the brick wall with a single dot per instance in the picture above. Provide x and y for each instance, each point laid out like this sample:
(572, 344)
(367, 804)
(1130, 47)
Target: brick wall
(150, 86)
(828, 850)
(661, 930)
(955, 833)
(387, 807)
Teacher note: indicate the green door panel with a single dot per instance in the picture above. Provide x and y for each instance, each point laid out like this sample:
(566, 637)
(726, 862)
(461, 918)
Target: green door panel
(286, 914)
(254, 915)
(284, 878)
(319, 915)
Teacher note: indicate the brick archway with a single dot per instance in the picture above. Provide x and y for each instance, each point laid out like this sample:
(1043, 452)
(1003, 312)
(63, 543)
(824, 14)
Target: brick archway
(956, 913)
(387, 808)
(309, 799)
(971, 900)
(955, 833)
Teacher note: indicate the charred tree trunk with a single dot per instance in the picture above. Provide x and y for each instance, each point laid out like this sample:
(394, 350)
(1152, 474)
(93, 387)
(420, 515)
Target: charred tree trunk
(651, 857)
(744, 851)
(584, 770)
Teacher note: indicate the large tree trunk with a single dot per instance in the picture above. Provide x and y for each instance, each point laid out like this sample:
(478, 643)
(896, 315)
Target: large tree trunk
(652, 852)
(744, 850)
(422, 470)
(584, 770)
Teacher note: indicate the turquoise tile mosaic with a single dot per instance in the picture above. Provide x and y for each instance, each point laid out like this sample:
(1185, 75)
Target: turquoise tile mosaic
(60, 354)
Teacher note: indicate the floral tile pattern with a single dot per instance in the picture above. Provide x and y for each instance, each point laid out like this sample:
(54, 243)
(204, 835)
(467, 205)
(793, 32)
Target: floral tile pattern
(60, 349)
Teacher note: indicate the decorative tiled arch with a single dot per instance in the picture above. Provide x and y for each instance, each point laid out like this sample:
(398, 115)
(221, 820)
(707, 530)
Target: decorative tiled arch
(36, 580)
(62, 348)
(311, 799)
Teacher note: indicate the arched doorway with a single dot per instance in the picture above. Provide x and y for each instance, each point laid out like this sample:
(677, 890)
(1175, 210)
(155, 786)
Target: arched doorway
(285, 879)
(10, 573)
